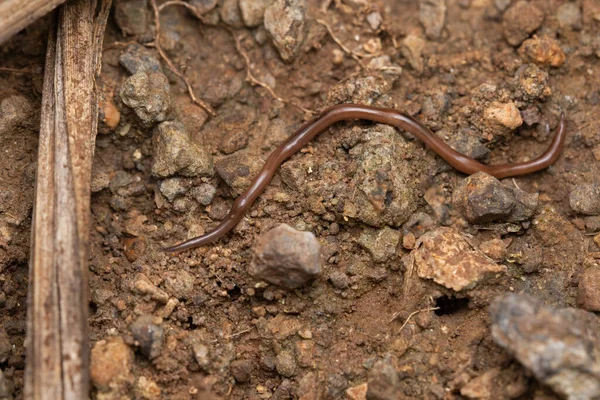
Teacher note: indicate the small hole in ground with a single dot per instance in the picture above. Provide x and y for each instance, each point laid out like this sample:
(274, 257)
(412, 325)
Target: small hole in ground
(448, 305)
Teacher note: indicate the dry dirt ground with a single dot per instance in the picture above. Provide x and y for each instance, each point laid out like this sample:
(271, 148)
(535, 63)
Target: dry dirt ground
(490, 77)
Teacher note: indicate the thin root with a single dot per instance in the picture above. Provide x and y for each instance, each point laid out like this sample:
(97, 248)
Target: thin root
(356, 55)
(412, 314)
(164, 56)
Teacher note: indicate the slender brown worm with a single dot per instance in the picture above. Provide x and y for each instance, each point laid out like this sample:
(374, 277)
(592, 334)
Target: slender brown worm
(388, 116)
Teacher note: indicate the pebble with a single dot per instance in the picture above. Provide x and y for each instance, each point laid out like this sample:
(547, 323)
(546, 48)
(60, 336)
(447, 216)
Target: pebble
(5, 346)
(241, 370)
(588, 291)
(533, 81)
(339, 280)
(176, 153)
(569, 15)
(585, 199)
(285, 22)
(144, 286)
(111, 362)
(543, 51)
(134, 248)
(374, 19)
(520, 20)
(201, 354)
(238, 170)
(358, 392)
(147, 331)
(253, 11)
(131, 16)
(148, 94)
(138, 58)
(204, 6)
(447, 258)
(147, 389)
(412, 49)
(494, 249)
(172, 187)
(285, 363)
(502, 116)
(286, 257)
(230, 13)
(432, 14)
(180, 284)
(204, 193)
(482, 198)
(483, 386)
(383, 381)
(336, 386)
(557, 345)
(380, 243)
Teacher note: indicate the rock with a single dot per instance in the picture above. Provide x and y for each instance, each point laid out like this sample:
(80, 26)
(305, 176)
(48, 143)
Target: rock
(588, 291)
(147, 389)
(5, 346)
(144, 286)
(361, 89)
(111, 362)
(201, 355)
(432, 14)
(358, 392)
(520, 20)
(238, 170)
(131, 16)
(189, 114)
(286, 257)
(148, 94)
(305, 353)
(412, 49)
(204, 6)
(569, 15)
(502, 116)
(374, 20)
(482, 198)
(253, 11)
(204, 193)
(241, 370)
(5, 388)
(180, 284)
(447, 258)
(336, 386)
(147, 331)
(533, 81)
(230, 13)
(559, 346)
(543, 51)
(284, 21)
(482, 387)
(585, 199)
(339, 280)
(494, 249)
(380, 243)
(175, 153)
(138, 58)
(383, 381)
(285, 363)
(172, 187)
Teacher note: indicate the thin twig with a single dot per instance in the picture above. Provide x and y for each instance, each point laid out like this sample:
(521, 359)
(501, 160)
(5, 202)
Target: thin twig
(190, 7)
(234, 335)
(412, 314)
(254, 81)
(356, 55)
(164, 56)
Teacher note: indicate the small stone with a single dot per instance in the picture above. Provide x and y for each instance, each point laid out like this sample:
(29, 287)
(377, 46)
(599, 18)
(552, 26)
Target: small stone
(383, 381)
(358, 392)
(569, 15)
(238, 170)
(175, 153)
(147, 331)
(447, 258)
(285, 364)
(557, 345)
(286, 257)
(131, 16)
(432, 14)
(543, 51)
(201, 355)
(253, 11)
(5, 346)
(144, 286)
(241, 370)
(380, 243)
(588, 291)
(494, 249)
(138, 58)
(134, 247)
(230, 13)
(111, 362)
(502, 116)
(147, 389)
(171, 188)
(148, 94)
(336, 386)
(374, 19)
(204, 6)
(285, 22)
(339, 280)
(412, 49)
(482, 198)
(520, 20)
(180, 284)
(533, 81)
(585, 199)
(482, 387)
(204, 193)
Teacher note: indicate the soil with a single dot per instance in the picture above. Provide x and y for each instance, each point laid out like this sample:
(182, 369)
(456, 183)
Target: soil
(218, 332)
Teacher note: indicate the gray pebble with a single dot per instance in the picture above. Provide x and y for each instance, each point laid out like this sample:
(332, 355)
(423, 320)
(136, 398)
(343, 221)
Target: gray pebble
(230, 13)
(253, 11)
(339, 280)
(138, 58)
(381, 243)
(147, 331)
(204, 193)
(201, 355)
(131, 16)
(285, 364)
(432, 14)
(383, 381)
(585, 199)
(569, 15)
(180, 284)
(176, 153)
(286, 257)
(482, 198)
(559, 346)
(241, 370)
(285, 22)
(172, 187)
(148, 94)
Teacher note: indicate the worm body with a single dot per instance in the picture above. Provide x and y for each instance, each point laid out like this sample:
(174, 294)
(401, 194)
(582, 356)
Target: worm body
(388, 116)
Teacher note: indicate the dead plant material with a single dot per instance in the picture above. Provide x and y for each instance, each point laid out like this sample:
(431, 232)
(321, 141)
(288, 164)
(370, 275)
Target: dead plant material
(16, 15)
(412, 314)
(354, 54)
(166, 58)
